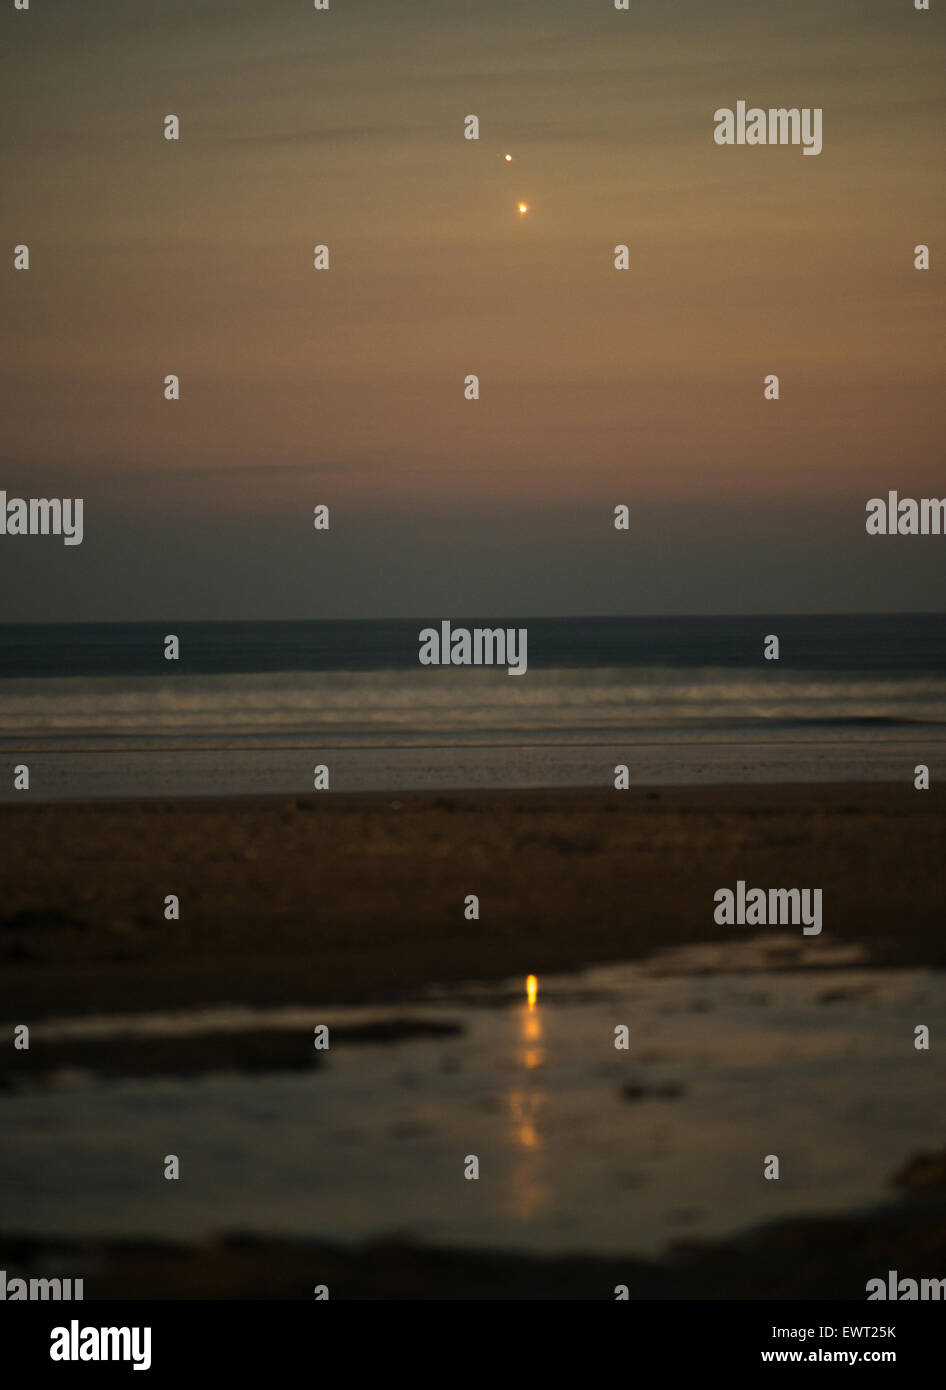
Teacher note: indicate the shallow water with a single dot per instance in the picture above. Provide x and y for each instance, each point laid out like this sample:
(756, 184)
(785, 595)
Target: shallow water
(746, 757)
(736, 1051)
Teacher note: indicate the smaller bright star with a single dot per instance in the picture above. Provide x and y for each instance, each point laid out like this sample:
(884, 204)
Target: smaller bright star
(523, 207)
(507, 157)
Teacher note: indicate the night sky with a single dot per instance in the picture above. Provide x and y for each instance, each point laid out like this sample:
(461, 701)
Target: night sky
(345, 387)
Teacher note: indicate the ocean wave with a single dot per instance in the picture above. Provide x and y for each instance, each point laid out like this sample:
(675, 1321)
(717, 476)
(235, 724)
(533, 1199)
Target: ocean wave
(404, 706)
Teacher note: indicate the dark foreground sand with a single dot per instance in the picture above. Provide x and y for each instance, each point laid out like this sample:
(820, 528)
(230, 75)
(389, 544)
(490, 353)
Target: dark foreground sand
(353, 899)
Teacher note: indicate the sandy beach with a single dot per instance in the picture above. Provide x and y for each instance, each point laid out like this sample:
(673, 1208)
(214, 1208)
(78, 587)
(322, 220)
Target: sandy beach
(355, 899)
(358, 900)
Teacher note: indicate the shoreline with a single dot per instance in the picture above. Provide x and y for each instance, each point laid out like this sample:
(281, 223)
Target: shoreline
(760, 756)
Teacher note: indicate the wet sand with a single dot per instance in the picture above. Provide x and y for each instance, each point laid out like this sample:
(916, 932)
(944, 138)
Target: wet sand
(197, 1054)
(818, 1258)
(360, 898)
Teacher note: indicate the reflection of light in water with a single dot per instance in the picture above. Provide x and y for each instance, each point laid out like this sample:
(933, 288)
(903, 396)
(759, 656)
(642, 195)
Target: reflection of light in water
(524, 1107)
(575, 1167)
(528, 1192)
(532, 1055)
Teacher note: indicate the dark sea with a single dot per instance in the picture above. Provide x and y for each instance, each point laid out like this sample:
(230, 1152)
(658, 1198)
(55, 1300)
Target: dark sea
(96, 710)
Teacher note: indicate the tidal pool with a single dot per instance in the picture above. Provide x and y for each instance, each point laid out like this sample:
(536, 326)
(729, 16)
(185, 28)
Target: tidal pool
(735, 1052)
